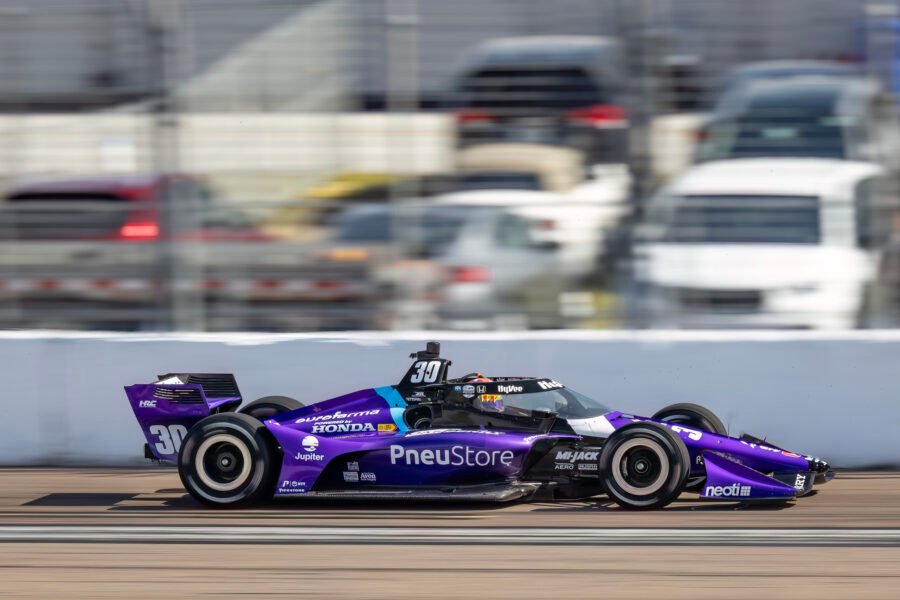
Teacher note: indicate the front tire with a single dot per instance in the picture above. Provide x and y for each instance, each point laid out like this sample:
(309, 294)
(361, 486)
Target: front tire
(644, 466)
(227, 461)
(695, 417)
(692, 415)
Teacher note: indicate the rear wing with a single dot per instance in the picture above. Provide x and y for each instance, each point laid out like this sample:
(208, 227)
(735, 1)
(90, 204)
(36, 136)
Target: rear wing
(167, 408)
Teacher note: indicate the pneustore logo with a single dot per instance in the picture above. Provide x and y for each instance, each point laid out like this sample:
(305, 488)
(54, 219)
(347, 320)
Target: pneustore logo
(456, 456)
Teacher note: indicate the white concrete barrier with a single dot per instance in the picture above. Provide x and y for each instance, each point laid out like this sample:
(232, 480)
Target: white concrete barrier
(833, 395)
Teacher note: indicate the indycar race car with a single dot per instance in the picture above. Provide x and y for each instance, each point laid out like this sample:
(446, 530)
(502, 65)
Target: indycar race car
(471, 438)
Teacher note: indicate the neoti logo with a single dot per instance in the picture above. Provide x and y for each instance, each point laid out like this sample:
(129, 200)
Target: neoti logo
(735, 490)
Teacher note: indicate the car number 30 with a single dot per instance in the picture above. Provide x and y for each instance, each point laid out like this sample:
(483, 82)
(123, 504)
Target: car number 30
(170, 437)
(426, 371)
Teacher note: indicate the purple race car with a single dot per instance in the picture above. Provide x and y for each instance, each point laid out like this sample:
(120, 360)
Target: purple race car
(472, 438)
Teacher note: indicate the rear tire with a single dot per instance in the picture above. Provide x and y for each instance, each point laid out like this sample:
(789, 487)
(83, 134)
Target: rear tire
(270, 406)
(644, 466)
(227, 461)
(695, 417)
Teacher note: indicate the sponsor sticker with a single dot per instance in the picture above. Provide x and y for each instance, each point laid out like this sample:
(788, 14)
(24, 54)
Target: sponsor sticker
(338, 416)
(468, 391)
(147, 404)
(493, 401)
(289, 486)
(550, 385)
(386, 428)
(353, 466)
(510, 389)
(692, 434)
(342, 427)
(755, 446)
(576, 455)
(310, 444)
(367, 476)
(735, 490)
(437, 431)
(351, 476)
(791, 454)
(455, 456)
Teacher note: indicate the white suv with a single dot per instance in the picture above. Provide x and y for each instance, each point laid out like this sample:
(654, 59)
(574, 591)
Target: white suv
(759, 243)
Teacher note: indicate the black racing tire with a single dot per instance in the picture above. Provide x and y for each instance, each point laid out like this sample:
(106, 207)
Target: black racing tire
(644, 466)
(692, 415)
(269, 406)
(695, 417)
(419, 417)
(228, 460)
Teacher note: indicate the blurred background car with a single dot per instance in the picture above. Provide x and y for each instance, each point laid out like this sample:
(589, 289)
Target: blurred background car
(346, 164)
(824, 117)
(555, 90)
(759, 243)
(777, 70)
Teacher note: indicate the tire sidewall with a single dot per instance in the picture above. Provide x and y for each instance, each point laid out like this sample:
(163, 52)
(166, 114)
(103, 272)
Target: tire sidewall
(260, 480)
(692, 415)
(270, 406)
(695, 417)
(659, 439)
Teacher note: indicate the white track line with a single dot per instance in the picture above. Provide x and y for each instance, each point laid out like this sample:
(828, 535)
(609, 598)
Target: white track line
(440, 535)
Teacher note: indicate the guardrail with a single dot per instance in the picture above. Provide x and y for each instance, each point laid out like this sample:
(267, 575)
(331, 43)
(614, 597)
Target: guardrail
(833, 395)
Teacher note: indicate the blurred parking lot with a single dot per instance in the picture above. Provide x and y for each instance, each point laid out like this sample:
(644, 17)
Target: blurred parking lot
(322, 165)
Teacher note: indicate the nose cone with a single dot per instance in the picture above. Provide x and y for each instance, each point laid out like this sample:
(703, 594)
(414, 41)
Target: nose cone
(824, 473)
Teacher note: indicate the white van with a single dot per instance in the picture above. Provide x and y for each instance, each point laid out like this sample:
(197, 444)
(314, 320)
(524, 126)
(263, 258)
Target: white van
(759, 243)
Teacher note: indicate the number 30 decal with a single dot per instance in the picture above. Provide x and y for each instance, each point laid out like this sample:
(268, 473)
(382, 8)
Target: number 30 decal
(426, 371)
(170, 438)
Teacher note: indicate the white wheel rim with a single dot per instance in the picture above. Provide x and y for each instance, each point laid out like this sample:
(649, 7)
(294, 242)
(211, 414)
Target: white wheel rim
(201, 469)
(619, 455)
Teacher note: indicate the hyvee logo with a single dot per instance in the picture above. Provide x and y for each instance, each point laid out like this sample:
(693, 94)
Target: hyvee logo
(509, 389)
(342, 427)
(734, 490)
(456, 456)
(147, 404)
(575, 456)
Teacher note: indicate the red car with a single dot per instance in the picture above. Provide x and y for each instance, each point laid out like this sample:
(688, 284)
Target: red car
(118, 207)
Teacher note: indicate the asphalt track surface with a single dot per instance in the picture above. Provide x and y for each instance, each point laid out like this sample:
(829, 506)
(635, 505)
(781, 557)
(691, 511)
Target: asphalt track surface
(89, 533)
